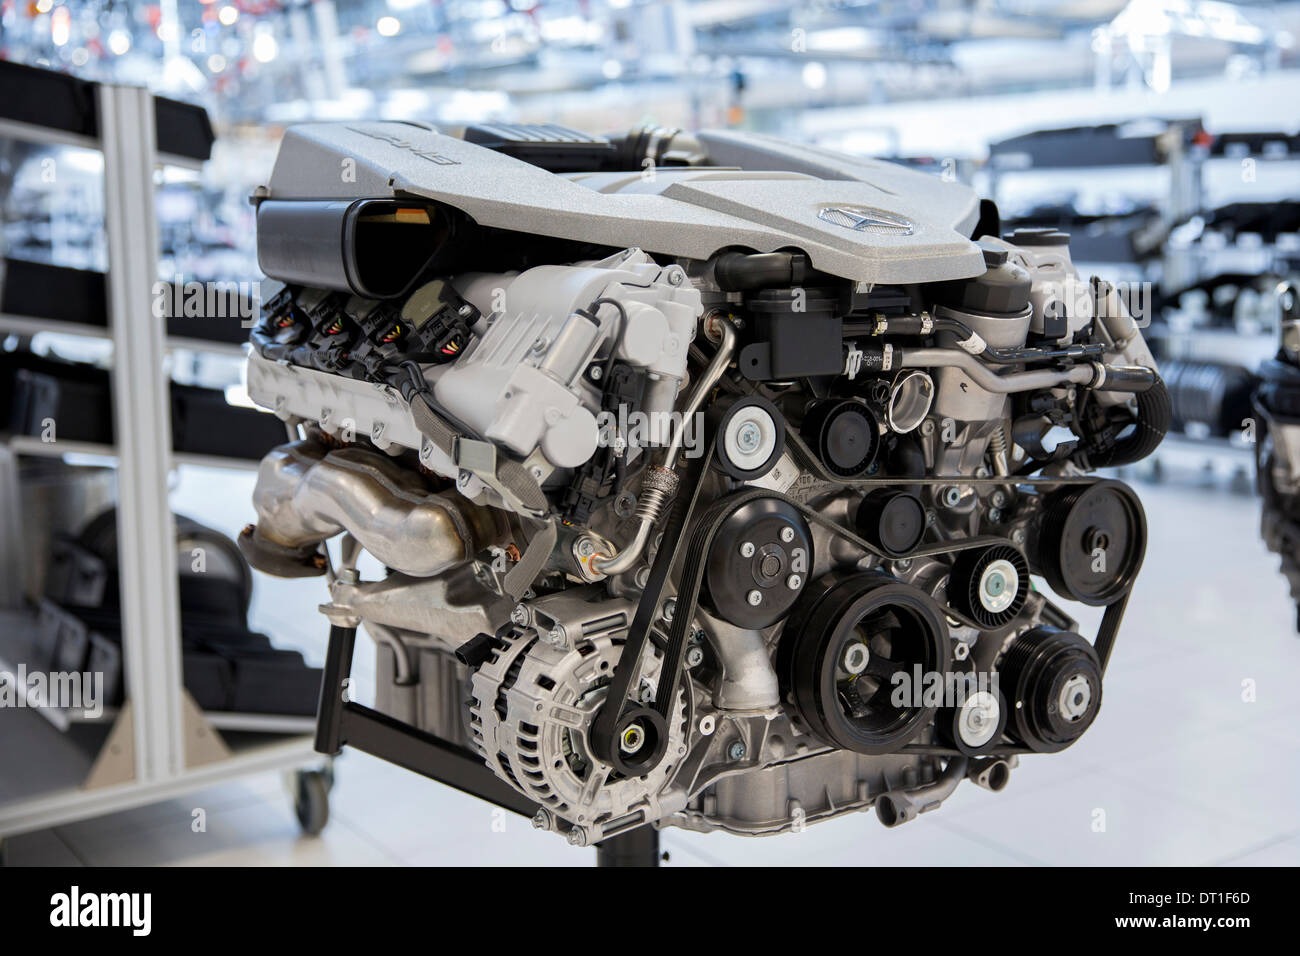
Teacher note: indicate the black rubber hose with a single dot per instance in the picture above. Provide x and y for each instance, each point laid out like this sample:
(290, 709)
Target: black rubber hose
(744, 271)
(1154, 414)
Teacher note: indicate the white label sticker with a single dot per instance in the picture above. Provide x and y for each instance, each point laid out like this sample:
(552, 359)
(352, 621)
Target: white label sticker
(781, 476)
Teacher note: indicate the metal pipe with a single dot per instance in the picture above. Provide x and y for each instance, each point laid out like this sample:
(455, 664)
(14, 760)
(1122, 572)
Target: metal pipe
(990, 380)
(712, 373)
(899, 806)
(658, 495)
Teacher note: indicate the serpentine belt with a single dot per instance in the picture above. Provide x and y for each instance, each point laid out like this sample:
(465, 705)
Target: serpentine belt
(696, 546)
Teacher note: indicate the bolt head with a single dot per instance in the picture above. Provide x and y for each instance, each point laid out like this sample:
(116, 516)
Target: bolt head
(519, 615)
(737, 750)
(669, 609)
(856, 657)
(754, 597)
(694, 656)
(787, 534)
(794, 582)
(747, 549)
(748, 437)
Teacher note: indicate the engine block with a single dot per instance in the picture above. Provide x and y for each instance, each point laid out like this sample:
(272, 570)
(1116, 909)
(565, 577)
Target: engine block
(735, 485)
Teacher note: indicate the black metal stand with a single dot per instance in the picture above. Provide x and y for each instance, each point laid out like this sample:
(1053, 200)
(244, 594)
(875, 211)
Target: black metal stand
(639, 847)
(343, 723)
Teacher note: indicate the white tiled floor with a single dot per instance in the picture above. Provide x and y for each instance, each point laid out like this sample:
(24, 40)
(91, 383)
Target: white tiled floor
(1181, 769)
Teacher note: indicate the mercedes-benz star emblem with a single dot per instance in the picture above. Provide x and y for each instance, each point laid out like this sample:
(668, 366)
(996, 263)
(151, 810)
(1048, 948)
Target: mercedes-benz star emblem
(862, 219)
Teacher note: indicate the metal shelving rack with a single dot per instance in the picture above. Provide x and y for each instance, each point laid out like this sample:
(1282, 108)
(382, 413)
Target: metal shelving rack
(160, 744)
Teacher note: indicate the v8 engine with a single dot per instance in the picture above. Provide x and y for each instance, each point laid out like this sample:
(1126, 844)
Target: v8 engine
(717, 482)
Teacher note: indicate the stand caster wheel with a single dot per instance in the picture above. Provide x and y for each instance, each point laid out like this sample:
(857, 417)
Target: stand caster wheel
(311, 799)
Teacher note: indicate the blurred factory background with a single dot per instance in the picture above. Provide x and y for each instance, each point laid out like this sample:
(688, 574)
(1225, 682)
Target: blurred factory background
(1162, 135)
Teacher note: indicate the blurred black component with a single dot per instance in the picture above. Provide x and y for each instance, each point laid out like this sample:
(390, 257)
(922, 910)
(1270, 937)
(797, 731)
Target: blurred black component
(1118, 237)
(41, 291)
(76, 574)
(54, 399)
(1277, 400)
(554, 148)
(66, 644)
(1268, 220)
(1136, 144)
(226, 666)
(58, 101)
(72, 401)
(210, 312)
(204, 423)
(1260, 143)
(1214, 394)
(1041, 236)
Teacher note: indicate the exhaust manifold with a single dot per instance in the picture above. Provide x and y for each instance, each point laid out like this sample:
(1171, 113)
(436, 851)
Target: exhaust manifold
(307, 493)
